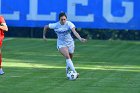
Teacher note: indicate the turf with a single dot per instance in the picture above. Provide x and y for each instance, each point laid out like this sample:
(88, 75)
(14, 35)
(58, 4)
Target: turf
(35, 66)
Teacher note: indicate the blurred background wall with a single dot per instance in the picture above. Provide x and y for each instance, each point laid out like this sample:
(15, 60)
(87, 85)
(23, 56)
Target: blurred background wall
(94, 19)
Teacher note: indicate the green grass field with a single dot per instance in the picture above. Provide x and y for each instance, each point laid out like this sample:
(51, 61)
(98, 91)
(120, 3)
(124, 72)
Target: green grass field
(35, 66)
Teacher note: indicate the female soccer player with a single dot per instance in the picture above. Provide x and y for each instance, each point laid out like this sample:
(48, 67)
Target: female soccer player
(65, 43)
(3, 27)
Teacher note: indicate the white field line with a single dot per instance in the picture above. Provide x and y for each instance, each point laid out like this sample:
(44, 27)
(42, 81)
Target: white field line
(7, 39)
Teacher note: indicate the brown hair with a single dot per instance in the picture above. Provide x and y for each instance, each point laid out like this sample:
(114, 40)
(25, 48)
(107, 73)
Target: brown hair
(62, 14)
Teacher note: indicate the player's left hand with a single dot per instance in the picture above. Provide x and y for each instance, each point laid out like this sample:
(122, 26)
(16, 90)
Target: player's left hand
(83, 40)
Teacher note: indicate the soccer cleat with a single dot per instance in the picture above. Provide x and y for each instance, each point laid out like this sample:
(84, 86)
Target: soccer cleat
(1, 73)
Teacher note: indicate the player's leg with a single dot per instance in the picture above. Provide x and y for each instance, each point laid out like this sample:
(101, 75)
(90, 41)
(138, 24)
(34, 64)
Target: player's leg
(71, 55)
(71, 52)
(64, 52)
(1, 71)
(71, 49)
(69, 64)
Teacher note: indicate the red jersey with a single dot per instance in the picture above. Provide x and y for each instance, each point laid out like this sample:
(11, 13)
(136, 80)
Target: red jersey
(1, 31)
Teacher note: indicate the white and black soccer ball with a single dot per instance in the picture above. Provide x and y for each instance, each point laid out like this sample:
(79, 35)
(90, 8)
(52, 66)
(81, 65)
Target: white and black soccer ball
(71, 75)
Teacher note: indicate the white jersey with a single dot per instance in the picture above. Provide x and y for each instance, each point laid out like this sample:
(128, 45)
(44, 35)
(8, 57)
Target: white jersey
(63, 33)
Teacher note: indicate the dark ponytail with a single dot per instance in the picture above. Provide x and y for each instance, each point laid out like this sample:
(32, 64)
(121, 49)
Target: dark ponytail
(62, 14)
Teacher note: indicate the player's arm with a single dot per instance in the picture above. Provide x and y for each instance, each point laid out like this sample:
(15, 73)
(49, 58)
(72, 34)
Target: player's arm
(77, 35)
(46, 28)
(3, 26)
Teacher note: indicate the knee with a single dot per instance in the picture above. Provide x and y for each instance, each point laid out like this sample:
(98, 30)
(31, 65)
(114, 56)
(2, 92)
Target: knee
(67, 57)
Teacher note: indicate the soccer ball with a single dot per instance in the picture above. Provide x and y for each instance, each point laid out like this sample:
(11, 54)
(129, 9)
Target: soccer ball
(71, 75)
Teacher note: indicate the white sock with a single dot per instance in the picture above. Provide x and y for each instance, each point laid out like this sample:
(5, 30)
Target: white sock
(1, 71)
(69, 63)
(67, 68)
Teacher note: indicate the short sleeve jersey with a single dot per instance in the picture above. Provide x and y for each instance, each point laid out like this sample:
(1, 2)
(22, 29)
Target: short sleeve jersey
(1, 31)
(63, 31)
